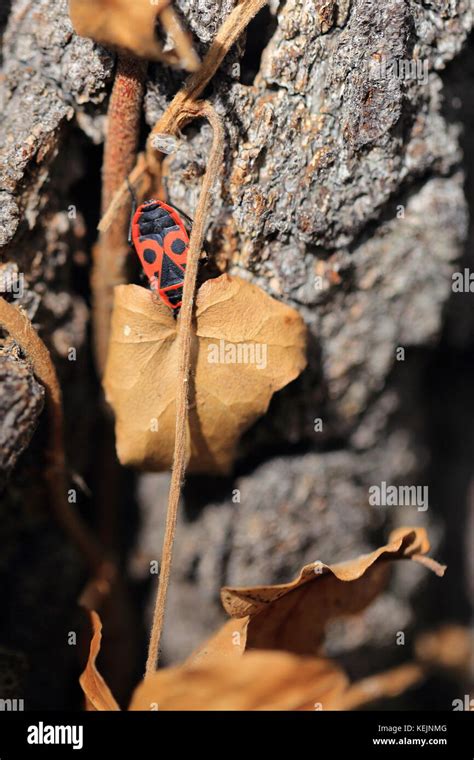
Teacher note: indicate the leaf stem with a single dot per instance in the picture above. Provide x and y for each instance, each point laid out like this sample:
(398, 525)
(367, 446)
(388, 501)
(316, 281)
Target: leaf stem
(214, 165)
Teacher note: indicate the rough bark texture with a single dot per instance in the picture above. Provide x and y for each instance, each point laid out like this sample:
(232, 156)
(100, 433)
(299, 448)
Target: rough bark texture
(21, 404)
(345, 192)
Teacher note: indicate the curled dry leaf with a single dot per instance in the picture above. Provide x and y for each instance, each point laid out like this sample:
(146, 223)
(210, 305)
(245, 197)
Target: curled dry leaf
(98, 695)
(261, 681)
(131, 25)
(293, 616)
(246, 346)
(235, 669)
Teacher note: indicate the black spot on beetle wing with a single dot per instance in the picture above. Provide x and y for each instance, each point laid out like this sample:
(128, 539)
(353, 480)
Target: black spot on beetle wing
(149, 255)
(178, 246)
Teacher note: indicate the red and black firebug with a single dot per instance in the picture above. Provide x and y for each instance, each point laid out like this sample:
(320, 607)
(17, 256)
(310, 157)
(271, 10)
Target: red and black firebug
(161, 239)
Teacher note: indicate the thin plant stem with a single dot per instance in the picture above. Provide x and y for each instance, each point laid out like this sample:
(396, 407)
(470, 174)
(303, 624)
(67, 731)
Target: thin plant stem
(183, 371)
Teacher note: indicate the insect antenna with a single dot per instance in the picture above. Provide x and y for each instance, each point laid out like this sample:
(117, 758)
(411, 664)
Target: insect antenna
(182, 213)
(134, 208)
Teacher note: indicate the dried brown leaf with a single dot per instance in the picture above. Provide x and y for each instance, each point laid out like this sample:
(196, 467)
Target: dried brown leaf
(293, 616)
(131, 25)
(215, 679)
(226, 398)
(259, 681)
(98, 695)
(229, 640)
